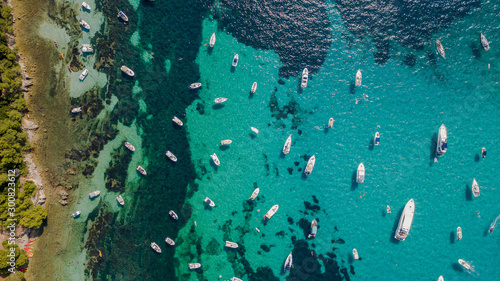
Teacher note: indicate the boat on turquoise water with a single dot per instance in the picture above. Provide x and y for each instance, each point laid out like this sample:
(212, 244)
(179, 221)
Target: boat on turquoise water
(355, 254)
(141, 170)
(442, 141)
(359, 77)
(209, 202)
(85, 6)
(288, 262)
(171, 156)
(235, 60)
(310, 165)
(226, 142)
(440, 48)
(127, 71)
(87, 48)
(220, 100)
(129, 146)
(120, 200)
(255, 130)
(254, 87)
(122, 16)
(405, 221)
(212, 40)
(360, 176)
(76, 110)
(314, 229)
(484, 42)
(76, 214)
(169, 241)
(271, 212)
(376, 139)
(475, 188)
(155, 247)
(465, 264)
(305, 77)
(177, 121)
(330, 122)
(215, 159)
(94, 194)
(254, 194)
(388, 208)
(441, 278)
(236, 279)
(84, 24)
(194, 265)
(230, 244)
(288, 144)
(195, 85)
(459, 233)
(483, 152)
(84, 74)
(173, 215)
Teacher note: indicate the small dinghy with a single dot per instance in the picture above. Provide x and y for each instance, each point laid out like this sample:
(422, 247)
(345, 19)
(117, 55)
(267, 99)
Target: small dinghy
(76, 214)
(359, 77)
(475, 188)
(177, 121)
(173, 215)
(355, 254)
(122, 16)
(254, 88)
(141, 170)
(459, 233)
(465, 264)
(376, 139)
(388, 209)
(85, 24)
(76, 110)
(94, 194)
(171, 156)
(129, 146)
(120, 200)
(194, 265)
(212, 40)
(483, 152)
(440, 49)
(226, 142)
(84, 74)
(305, 77)
(220, 100)
(195, 85)
(230, 244)
(127, 71)
(209, 202)
(271, 212)
(169, 241)
(87, 6)
(254, 194)
(155, 247)
(288, 144)
(215, 159)
(330, 122)
(288, 262)
(314, 229)
(235, 60)
(484, 42)
(255, 130)
(310, 165)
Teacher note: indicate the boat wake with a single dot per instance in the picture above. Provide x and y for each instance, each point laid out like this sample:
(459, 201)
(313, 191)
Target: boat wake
(493, 224)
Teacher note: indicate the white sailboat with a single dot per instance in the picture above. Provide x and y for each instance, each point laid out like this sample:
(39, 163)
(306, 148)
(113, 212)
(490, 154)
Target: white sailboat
(475, 188)
(310, 165)
(288, 144)
(440, 48)
(212, 40)
(288, 262)
(484, 42)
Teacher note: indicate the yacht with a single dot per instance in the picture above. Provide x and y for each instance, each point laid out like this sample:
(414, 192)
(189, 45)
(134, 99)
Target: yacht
(465, 264)
(84, 74)
(376, 139)
(330, 122)
(442, 142)
(209, 202)
(271, 212)
(475, 188)
(314, 229)
(459, 233)
(84, 24)
(87, 6)
(122, 16)
(226, 142)
(87, 48)
(405, 221)
(169, 241)
(94, 194)
(129, 146)
(195, 85)
(141, 170)
(288, 262)
(485, 43)
(171, 156)
(254, 194)
(76, 214)
(483, 152)
(76, 110)
(155, 247)
(119, 198)
(441, 278)
(355, 254)
(288, 143)
(177, 121)
(194, 265)
(236, 279)
(254, 87)
(310, 165)
(360, 177)
(388, 209)
(230, 244)
(173, 215)
(215, 159)
(440, 48)
(220, 100)
(305, 77)
(359, 76)
(235, 60)
(212, 40)
(255, 130)
(127, 71)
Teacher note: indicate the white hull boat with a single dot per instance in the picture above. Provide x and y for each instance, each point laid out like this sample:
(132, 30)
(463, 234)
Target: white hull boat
(360, 176)
(177, 121)
(235, 60)
(330, 122)
(173, 215)
(355, 254)
(254, 87)
(288, 262)
(155, 247)
(459, 233)
(359, 77)
(122, 16)
(120, 200)
(212, 40)
(84, 74)
(475, 188)
(441, 278)
(310, 165)
(87, 48)
(76, 214)
(226, 142)
(254, 194)
(195, 85)
(171, 156)
(220, 100)
(230, 244)
(376, 139)
(94, 194)
(215, 159)
(85, 24)
(271, 212)
(141, 170)
(255, 130)
(485, 43)
(288, 144)
(442, 142)
(86, 6)
(388, 209)
(127, 71)
(194, 265)
(440, 49)
(236, 279)
(209, 202)
(305, 77)
(169, 241)
(405, 221)
(76, 110)
(465, 264)
(483, 152)
(314, 229)
(129, 146)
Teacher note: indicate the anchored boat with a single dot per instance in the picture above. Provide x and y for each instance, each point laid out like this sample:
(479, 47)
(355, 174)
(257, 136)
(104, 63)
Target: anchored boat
(230, 244)
(155, 247)
(215, 159)
(405, 221)
(195, 85)
(254, 194)
(127, 71)
(440, 48)
(84, 74)
(120, 200)
(212, 40)
(288, 143)
(85, 6)
(483, 152)
(194, 265)
(330, 122)
(459, 233)
(475, 188)
(226, 142)
(355, 254)
(288, 262)
(129, 146)
(209, 202)
(314, 229)
(173, 215)
(442, 142)
(254, 87)
(484, 42)
(169, 241)
(177, 121)
(305, 77)
(271, 212)
(310, 165)
(94, 194)
(220, 100)
(358, 78)
(141, 170)
(171, 156)
(85, 24)
(235, 60)
(376, 139)
(255, 130)
(122, 16)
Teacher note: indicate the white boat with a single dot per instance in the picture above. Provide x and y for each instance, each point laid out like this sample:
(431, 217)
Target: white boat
(236, 279)
(355, 254)
(459, 233)
(310, 165)
(94, 194)
(76, 214)
(122, 16)
(360, 177)
(255, 130)
(171, 156)
(177, 121)
(440, 48)
(212, 40)
(230, 244)
(254, 87)
(376, 139)
(254, 194)
(76, 110)
(442, 142)
(441, 278)
(129, 146)
(169, 241)
(87, 48)
(141, 170)
(271, 212)
(314, 229)
(209, 202)
(288, 262)
(173, 214)
(330, 122)
(465, 264)
(86, 6)
(226, 142)
(195, 85)
(359, 77)
(84, 24)
(388, 208)
(235, 60)
(305, 77)
(405, 221)
(155, 247)
(483, 152)
(215, 159)
(127, 71)
(220, 100)
(484, 42)
(475, 188)
(194, 265)
(84, 74)
(120, 200)
(288, 144)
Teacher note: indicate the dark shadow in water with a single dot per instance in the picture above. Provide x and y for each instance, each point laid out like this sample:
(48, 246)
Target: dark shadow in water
(477, 158)
(452, 237)
(252, 135)
(432, 58)
(476, 52)
(350, 258)
(326, 129)
(457, 267)
(410, 60)
(371, 144)
(217, 106)
(384, 212)
(250, 95)
(213, 164)
(224, 147)
(433, 146)
(304, 176)
(208, 208)
(468, 193)
(232, 68)
(352, 87)
(282, 155)
(210, 50)
(354, 183)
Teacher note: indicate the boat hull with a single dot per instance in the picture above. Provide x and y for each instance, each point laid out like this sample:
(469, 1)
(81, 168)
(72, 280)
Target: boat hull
(442, 142)
(405, 221)
(360, 176)
(310, 165)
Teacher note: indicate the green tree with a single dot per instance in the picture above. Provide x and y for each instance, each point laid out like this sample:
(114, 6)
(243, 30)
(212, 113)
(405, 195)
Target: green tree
(34, 217)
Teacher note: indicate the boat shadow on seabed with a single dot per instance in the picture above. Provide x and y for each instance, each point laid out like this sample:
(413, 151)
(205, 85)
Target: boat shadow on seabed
(433, 147)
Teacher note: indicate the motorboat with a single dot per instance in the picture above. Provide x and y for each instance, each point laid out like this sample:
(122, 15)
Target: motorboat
(330, 122)
(484, 42)
(388, 208)
(226, 142)
(405, 221)
(376, 139)
(141, 170)
(122, 16)
(355, 254)
(465, 264)
(442, 142)
(235, 60)
(87, 48)
(127, 71)
(220, 100)
(254, 194)
(129, 146)
(195, 85)
(310, 165)
(76, 110)
(209, 202)
(194, 265)
(76, 214)
(271, 212)
(305, 77)
(314, 229)
(440, 48)
(171, 156)
(230, 244)
(94, 194)
(288, 144)
(212, 40)
(483, 152)
(236, 279)
(177, 121)
(86, 6)
(288, 262)
(173, 214)
(215, 159)
(84, 74)
(475, 188)
(254, 87)
(360, 177)
(85, 24)
(359, 77)
(255, 130)
(169, 241)
(441, 278)
(459, 233)
(120, 200)
(155, 247)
